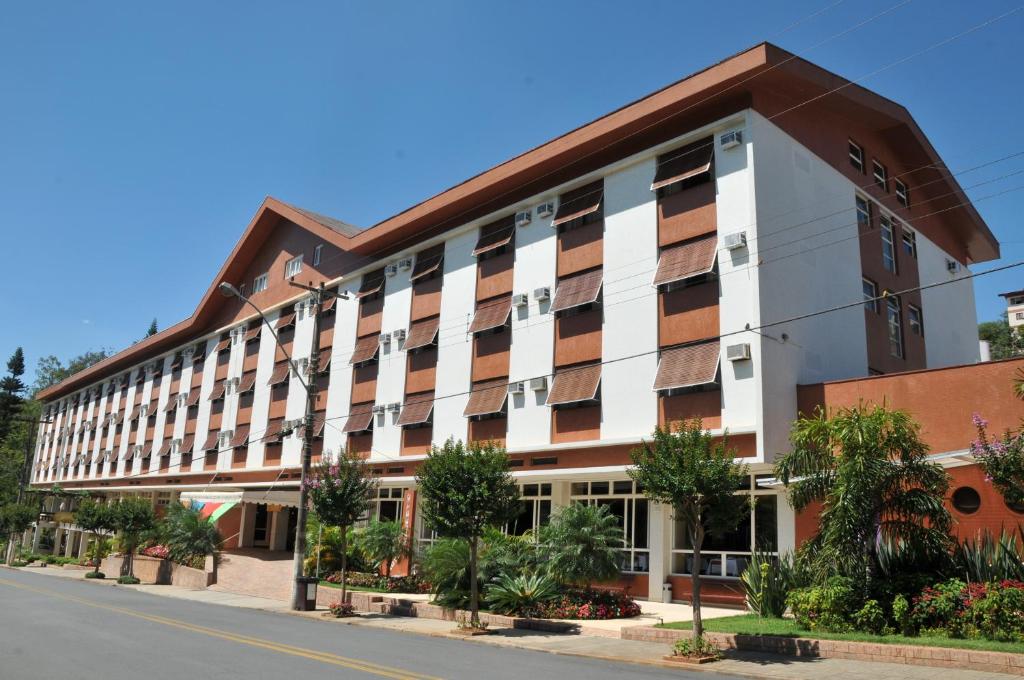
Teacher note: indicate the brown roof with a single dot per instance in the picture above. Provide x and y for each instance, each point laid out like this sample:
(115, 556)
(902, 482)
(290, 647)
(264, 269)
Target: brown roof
(491, 314)
(579, 202)
(578, 289)
(240, 437)
(487, 397)
(360, 419)
(426, 265)
(691, 258)
(683, 163)
(247, 382)
(688, 366)
(416, 409)
(365, 349)
(371, 284)
(496, 235)
(571, 385)
(280, 373)
(218, 390)
(422, 333)
(211, 442)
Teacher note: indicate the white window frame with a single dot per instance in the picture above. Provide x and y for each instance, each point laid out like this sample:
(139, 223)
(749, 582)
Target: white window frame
(1019, 315)
(536, 494)
(880, 174)
(631, 554)
(915, 320)
(902, 193)
(888, 244)
(908, 240)
(293, 267)
(863, 207)
(856, 153)
(317, 254)
(680, 555)
(870, 297)
(894, 320)
(259, 284)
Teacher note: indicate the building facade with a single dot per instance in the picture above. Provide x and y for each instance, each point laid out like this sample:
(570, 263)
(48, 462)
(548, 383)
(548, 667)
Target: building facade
(701, 252)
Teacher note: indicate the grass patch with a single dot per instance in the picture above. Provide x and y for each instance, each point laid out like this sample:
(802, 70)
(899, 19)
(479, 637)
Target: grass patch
(361, 589)
(752, 624)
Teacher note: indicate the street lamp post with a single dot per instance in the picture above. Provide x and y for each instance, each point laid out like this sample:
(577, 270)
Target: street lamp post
(319, 293)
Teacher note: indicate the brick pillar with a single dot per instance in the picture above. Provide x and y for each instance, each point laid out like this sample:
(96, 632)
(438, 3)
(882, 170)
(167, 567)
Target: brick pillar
(402, 566)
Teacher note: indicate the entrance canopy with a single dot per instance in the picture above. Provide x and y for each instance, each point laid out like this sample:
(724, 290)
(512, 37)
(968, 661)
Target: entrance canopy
(213, 504)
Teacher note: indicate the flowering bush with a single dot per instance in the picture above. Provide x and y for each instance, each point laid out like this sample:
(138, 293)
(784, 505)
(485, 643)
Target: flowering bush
(395, 584)
(590, 604)
(828, 607)
(160, 551)
(342, 609)
(994, 611)
(1001, 459)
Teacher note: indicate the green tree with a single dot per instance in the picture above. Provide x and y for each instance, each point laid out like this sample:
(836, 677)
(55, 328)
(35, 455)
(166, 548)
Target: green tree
(15, 518)
(340, 492)
(869, 470)
(1003, 342)
(188, 535)
(132, 518)
(96, 518)
(50, 370)
(152, 330)
(464, 491)
(12, 392)
(384, 542)
(583, 544)
(698, 477)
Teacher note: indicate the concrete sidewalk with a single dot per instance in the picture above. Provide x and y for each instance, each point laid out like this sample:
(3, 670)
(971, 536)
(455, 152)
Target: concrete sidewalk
(581, 645)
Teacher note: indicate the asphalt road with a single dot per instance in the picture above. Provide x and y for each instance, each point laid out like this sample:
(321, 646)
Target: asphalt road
(59, 628)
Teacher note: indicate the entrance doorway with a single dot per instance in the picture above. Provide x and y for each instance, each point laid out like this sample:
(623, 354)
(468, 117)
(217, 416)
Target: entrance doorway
(293, 521)
(261, 523)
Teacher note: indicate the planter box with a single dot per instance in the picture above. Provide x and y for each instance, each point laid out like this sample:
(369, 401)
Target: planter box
(156, 571)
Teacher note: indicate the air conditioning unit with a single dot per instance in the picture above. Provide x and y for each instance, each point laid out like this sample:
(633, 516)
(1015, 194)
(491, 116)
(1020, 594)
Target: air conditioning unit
(385, 338)
(731, 139)
(380, 409)
(405, 264)
(735, 240)
(391, 269)
(395, 407)
(516, 388)
(523, 218)
(538, 384)
(399, 335)
(542, 293)
(740, 352)
(546, 209)
(520, 300)
(952, 266)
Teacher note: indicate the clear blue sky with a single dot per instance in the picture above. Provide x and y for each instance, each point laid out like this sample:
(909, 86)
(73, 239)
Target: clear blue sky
(137, 142)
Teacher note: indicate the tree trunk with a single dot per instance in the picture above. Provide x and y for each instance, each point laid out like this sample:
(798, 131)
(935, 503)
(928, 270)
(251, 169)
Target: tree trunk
(697, 538)
(96, 553)
(127, 563)
(474, 604)
(344, 563)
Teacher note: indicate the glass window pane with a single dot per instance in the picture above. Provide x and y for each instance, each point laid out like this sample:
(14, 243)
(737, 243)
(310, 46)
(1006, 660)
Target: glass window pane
(681, 536)
(736, 564)
(545, 489)
(640, 524)
(529, 489)
(598, 488)
(544, 513)
(641, 562)
(523, 521)
(738, 539)
(578, 489)
(623, 487)
(766, 512)
(396, 493)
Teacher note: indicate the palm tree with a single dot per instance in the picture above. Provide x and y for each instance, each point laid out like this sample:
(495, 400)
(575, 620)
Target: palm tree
(384, 542)
(869, 470)
(189, 535)
(583, 544)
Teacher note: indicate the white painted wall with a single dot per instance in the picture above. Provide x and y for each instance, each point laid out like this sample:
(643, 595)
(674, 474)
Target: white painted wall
(339, 394)
(387, 438)
(261, 396)
(302, 344)
(205, 405)
(950, 317)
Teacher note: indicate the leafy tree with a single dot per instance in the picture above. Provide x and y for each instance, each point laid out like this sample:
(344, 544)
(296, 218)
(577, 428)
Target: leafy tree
(152, 330)
(582, 544)
(15, 518)
(869, 470)
(12, 391)
(1003, 342)
(188, 535)
(132, 518)
(464, 491)
(686, 469)
(384, 542)
(96, 518)
(340, 492)
(1002, 459)
(50, 370)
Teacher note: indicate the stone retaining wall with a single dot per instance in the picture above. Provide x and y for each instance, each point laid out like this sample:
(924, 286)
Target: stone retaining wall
(156, 571)
(996, 662)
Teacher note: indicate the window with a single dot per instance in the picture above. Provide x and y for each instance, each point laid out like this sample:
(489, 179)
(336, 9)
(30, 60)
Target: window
(863, 213)
(881, 175)
(888, 249)
(630, 507)
(909, 240)
(857, 157)
(1014, 301)
(293, 267)
(1019, 316)
(727, 555)
(915, 320)
(317, 253)
(870, 293)
(966, 500)
(534, 509)
(895, 327)
(259, 284)
(902, 193)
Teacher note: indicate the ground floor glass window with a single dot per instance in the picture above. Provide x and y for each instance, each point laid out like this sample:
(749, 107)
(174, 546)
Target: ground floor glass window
(625, 501)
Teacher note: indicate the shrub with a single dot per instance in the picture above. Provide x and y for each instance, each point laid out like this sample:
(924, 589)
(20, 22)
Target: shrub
(766, 581)
(988, 557)
(583, 544)
(383, 543)
(828, 607)
(870, 618)
(128, 580)
(901, 615)
(994, 611)
(95, 574)
(19, 563)
(190, 537)
(590, 603)
(341, 609)
(158, 551)
(695, 646)
(521, 595)
(999, 614)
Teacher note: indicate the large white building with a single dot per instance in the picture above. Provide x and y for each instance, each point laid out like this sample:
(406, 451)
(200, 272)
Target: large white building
(667, 260)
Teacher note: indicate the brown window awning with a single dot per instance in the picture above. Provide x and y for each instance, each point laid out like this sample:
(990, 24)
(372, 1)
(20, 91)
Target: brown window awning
(252, 334)
(688, 366)
(365, 350)
(165, 448)
(571, 385)
(425, 266)
(325, 360)
(684, 163)
(491, 314)
(495, 235)
(372, 284)
(686, 260)
(218, 391)
(147, 451)
(199, 353)
(577, 290)
(172, 403)
(151, 409)
(280, 374)
(211, 442)
(320, 422)
(286, 321)
(176, 361)
(487, 397)
(187, 442)
(272, 435)
(422, 333)
(193, 397)
(417, 409)
(247, 382)
(328, 304)
(579, 202)
(360, 419)
(222, 345)
(240, 437)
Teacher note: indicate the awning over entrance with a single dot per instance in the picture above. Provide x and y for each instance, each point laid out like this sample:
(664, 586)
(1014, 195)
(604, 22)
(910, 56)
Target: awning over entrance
(215, 503)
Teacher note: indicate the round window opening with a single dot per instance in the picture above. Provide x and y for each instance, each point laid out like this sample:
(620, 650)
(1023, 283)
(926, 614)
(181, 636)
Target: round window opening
(966, 500)
(1016, 507)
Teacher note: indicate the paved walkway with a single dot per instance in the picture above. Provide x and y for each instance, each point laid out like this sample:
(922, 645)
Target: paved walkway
(583, 645)
(262, 573)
